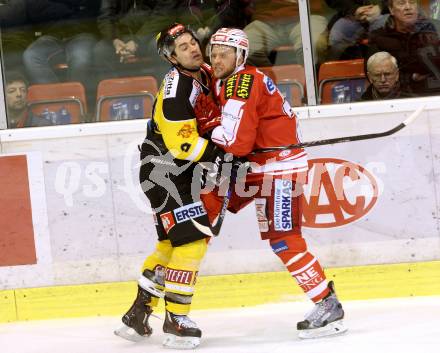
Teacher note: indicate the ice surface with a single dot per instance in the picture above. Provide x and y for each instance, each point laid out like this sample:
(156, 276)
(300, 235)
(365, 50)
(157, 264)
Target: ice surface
(404, 325)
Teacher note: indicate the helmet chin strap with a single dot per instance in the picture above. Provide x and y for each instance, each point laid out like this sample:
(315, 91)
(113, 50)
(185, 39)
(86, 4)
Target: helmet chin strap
(241, 55)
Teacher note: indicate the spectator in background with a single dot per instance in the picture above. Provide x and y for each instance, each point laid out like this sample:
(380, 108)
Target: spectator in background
(16, 103)
(383, 74)
(67, 30)
(353, 21)
(15, 34)
(434, 9)
(276, 23)
(414, 42)
(16, 99)
(128, 30)
(209, 16)
(121, 40)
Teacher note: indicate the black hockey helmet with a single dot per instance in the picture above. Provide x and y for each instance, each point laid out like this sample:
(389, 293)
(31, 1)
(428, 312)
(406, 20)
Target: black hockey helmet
(165, 39)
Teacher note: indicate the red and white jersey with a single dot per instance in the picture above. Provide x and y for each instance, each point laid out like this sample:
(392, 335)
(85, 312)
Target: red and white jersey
(256, 115)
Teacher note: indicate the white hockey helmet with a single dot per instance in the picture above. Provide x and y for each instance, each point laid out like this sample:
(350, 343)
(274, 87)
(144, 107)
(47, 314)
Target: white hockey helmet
(231, 37)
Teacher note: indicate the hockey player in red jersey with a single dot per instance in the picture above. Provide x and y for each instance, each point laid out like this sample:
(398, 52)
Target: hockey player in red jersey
(255, 115)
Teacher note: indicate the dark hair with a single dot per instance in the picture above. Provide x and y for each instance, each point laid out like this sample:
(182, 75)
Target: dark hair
(15, 76)
(165, 39)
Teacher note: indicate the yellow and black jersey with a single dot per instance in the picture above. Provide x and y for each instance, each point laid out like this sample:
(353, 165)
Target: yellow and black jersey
(175, 120)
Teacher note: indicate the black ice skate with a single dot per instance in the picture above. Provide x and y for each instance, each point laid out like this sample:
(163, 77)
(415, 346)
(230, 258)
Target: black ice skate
(135, 322)
(180, 332)
(325, 319)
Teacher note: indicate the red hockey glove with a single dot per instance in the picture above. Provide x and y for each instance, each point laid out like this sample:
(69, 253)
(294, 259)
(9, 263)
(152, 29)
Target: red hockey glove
(208, 114)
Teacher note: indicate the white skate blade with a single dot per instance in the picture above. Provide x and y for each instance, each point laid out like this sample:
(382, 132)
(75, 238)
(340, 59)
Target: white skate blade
(150, 287)
(332, 329)
(178, 342)
(129, 334)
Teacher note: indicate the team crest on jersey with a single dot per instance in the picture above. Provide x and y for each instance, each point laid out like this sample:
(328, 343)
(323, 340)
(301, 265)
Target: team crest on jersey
(185, 213)
(282, 215)
(167, 221)
(270, 85)
(186, 131)
(230, 86)
(244, 86)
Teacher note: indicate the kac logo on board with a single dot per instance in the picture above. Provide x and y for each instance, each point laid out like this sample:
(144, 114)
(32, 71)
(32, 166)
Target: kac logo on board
(338, 192)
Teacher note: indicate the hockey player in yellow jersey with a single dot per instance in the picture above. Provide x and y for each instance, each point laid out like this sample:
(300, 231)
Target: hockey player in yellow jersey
(170, 178)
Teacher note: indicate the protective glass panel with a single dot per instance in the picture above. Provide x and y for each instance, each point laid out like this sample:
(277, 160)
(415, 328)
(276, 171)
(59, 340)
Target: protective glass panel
(391, 45)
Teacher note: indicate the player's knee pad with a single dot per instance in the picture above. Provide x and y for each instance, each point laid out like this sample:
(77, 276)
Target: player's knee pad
(153, 269)
(159, 257)
(189, 255)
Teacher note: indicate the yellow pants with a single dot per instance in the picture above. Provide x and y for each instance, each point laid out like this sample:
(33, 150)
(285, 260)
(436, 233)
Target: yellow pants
(181, 265)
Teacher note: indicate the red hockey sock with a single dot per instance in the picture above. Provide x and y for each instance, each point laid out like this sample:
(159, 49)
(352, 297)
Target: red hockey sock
(302, 265)
(310, 276)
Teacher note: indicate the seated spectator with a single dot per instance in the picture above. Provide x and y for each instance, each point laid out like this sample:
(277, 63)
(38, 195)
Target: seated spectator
(67, 32)
(16, 99)
(15, 34)
(208, 16)
(356, 18)
(383, 74)
(276, 23)
(16, 103)
(128, 31)
(434, 9)
(119, 24)
(413, 40)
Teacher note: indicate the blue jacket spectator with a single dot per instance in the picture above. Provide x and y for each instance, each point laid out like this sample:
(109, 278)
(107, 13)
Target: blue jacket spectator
(351, 24)
(66, 31)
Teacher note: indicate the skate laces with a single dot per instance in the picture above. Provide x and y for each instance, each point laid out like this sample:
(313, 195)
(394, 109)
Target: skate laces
(318, 312)
(184, 321)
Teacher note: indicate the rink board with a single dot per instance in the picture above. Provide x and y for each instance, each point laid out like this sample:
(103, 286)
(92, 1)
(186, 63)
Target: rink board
(92, 228)
(91, 222)
(227, 291)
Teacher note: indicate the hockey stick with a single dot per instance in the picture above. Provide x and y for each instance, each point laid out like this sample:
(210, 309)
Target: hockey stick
(215, 228)
(399, 127)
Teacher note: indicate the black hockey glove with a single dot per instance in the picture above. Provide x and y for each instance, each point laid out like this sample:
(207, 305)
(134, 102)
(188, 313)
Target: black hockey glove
(225, 167)
(219, 170)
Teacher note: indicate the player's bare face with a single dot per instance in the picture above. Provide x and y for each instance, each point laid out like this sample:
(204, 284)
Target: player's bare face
(187, 52)
(223, 59)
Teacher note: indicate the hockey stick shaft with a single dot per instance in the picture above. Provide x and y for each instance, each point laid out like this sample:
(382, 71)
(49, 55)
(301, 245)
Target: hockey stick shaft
(218, 224)
(214, 229)
(332, 141)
